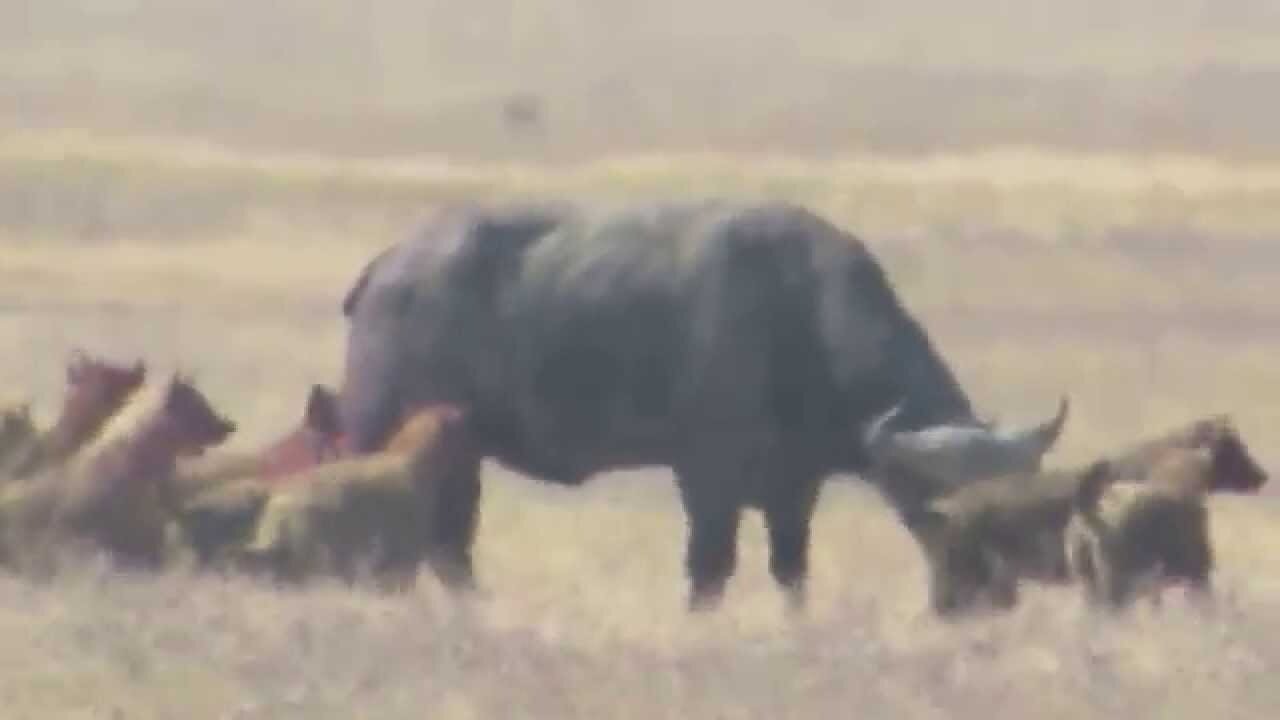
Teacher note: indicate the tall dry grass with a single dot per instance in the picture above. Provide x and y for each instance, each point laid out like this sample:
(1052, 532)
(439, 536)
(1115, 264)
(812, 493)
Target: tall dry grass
(1079, 198)
(1146, 319)
(585, 620)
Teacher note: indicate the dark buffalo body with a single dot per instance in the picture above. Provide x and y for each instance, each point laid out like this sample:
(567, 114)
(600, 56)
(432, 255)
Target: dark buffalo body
(744, 345)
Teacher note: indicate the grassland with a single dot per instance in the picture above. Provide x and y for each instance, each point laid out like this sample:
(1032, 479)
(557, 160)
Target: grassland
(1151, 308)
(1078, 199)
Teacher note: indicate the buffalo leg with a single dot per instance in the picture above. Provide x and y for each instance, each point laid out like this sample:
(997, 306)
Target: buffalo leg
(787, 515)
(712, 551)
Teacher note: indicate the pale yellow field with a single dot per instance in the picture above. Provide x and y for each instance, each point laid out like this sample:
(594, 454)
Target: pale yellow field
(1076, 198)
(585, 615)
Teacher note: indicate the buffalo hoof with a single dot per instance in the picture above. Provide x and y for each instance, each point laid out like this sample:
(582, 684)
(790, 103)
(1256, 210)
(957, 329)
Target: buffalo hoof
(455, 576)
(797, 601)
(706, 600)
(1202, 598)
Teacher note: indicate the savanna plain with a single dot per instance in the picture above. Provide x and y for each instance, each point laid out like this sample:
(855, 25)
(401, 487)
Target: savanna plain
(183, 183)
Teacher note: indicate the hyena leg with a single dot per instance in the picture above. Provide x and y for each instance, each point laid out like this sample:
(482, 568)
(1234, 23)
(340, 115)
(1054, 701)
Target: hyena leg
(1115, 582)
(454, 518)
(1082, 558)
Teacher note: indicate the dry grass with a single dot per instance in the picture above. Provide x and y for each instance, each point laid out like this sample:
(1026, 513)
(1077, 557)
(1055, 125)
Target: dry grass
(600, 632)
(1075, 197)
(1145, 326)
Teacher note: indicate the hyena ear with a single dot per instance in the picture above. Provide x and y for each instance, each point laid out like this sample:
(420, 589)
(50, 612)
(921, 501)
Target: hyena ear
(322, 410)
(1093, 482)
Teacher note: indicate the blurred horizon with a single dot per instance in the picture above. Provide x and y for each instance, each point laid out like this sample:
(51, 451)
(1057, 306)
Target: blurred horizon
(807, 78)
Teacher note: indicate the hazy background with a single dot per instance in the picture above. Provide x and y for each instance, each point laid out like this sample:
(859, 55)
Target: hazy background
(392, 76)
(1076, 198)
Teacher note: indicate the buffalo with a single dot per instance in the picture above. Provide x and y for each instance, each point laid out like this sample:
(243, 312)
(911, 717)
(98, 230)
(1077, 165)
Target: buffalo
(741, 344)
